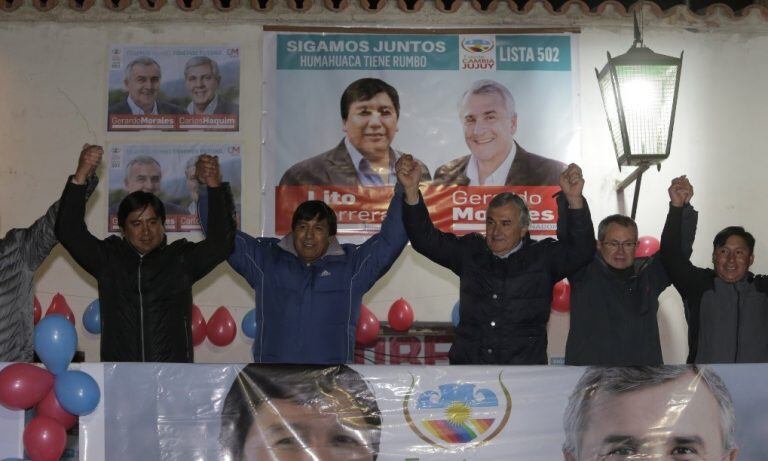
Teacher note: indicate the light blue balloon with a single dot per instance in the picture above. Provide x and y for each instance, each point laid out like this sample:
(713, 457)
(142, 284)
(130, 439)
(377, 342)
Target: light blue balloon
(248, 325)
(77, 392)
(455, 314)
(55, 342)
(92, 317)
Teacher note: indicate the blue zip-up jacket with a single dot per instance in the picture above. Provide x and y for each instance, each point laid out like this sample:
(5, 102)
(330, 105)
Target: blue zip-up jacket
(307, 313)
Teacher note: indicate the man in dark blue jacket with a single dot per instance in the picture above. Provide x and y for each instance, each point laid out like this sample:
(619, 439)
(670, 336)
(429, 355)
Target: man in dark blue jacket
(308, 286)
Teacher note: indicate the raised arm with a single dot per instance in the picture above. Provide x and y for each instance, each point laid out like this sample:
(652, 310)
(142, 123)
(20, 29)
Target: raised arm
(440, 247)
(70, 222)
(220, 235)
(576, 245)
(674, 242)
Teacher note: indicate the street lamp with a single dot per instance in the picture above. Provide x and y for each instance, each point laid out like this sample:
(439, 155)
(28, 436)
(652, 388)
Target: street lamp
(639, 90)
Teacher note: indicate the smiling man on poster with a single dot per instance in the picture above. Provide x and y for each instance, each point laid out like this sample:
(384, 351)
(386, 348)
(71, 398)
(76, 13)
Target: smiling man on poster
(488, 115)
(370, 109)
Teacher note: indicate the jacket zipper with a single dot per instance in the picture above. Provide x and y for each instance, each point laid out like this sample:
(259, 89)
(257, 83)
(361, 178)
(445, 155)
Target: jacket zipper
(738, 321)
(141, 313)
(188, 343)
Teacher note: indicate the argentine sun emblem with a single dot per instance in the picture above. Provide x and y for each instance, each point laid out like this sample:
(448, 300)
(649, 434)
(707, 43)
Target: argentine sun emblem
(457, 413)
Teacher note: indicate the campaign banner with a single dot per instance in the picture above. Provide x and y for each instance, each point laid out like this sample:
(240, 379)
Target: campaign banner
(168, 171)
(483, 112)
(173, 88)
(362, 412)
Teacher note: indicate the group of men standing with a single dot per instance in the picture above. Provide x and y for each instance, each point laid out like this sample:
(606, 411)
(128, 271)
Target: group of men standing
(309, 287)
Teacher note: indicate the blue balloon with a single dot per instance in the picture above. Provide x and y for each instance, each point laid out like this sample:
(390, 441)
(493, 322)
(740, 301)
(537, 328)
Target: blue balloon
(55, 342)
(248, 325)
(77, 392)
(92, 317)
(455, 314)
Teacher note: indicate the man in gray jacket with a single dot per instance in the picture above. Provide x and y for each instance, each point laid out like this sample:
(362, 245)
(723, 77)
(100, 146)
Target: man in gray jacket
(22, 251)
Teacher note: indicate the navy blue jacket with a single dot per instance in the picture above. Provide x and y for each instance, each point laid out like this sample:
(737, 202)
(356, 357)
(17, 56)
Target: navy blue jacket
(307, 313)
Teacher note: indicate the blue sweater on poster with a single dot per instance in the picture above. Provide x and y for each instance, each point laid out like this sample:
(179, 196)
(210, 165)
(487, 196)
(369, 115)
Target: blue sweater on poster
(307, 313)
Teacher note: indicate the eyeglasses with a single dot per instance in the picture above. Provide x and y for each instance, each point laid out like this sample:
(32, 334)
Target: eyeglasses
(615, 244)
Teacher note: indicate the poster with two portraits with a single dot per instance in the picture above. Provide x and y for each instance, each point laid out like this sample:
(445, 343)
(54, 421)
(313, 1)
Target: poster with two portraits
(485, 111)
(164, 104)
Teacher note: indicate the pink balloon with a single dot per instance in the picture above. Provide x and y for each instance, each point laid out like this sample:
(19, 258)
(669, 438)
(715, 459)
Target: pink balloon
(400, 315)
(38, 310)
(51, 408)
(60, 306)
(221, 327)
(22, 385)
(44, 439)
(646, 246)
(198, 326)
(561, 296)
(368, 327)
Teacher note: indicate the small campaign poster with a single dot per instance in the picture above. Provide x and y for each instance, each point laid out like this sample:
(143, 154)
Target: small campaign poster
(173, 88)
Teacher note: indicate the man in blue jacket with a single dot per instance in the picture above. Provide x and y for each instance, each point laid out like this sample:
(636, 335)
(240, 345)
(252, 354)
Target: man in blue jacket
(308, 286)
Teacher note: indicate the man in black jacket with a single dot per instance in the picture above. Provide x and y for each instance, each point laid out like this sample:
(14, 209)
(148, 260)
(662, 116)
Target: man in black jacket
(615, 299)
(506, 278)
(145, 283)
(727, 307)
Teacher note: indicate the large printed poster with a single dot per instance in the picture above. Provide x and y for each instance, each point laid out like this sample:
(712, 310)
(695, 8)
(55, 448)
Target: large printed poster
(173, 88)
(484, 112)
(467, 413)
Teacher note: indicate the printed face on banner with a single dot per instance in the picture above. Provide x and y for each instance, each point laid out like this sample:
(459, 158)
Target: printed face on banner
(144, 229)
(675, 421)
(618, 246)
(288, 431)
(311, 239)
(201, 85)
(503, 231)
(144, 176)
(143, 83)
(488, 127)
(371, 126)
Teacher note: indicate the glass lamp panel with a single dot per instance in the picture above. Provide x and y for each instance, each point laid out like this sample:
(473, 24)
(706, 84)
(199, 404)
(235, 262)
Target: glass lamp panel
(608, 92)
(647, 94)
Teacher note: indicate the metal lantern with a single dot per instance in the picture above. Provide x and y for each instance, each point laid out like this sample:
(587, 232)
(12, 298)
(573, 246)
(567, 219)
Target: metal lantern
(639, 90)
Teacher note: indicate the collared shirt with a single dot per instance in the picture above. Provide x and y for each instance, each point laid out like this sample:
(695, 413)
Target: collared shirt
(208, 109)
(366, 175)
(498, 177)
(513, 250)
(136, 110)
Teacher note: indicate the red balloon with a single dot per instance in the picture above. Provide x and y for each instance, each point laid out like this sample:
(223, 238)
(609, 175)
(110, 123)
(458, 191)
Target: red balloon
(38, 310)
(221, 327)
(561, 296)
(198, 326)
(44, 439)
(59, 306)
(367, 327)
(646, 246)
(51, 408)
(22, 385)
(400, 315)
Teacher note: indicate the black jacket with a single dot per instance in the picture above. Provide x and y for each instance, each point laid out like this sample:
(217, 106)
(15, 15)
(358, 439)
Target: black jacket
(146, 301)
(504, 302)
(727, 322)
(613, 315)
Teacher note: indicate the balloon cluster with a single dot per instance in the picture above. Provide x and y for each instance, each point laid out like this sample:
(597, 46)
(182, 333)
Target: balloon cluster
(59, 395)
(400, 318)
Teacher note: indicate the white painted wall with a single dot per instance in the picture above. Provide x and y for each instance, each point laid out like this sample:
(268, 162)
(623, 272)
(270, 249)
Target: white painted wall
(53, 98)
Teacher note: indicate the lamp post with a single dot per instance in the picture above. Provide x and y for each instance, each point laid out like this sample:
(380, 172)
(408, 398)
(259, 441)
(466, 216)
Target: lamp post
(639, 90)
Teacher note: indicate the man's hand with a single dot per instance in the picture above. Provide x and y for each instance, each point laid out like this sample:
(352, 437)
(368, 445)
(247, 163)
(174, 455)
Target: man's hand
(409, 174)
(90, 158)
(572, 185)
(207, 170)
(680, 191)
